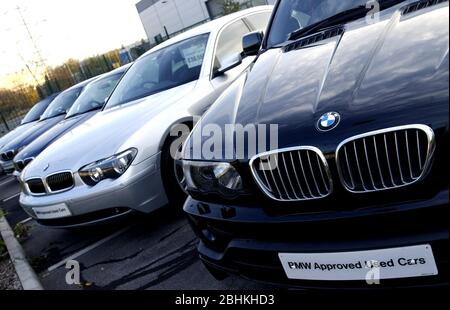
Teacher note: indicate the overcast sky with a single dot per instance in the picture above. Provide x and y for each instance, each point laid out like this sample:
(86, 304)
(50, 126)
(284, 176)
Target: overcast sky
(65, 29)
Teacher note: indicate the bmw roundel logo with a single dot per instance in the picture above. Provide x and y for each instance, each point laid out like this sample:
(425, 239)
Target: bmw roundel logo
(328, 121)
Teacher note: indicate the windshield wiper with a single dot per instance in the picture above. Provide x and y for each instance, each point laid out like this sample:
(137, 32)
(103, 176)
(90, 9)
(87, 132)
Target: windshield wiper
(334, 20)
(339, 18)
(59, 114)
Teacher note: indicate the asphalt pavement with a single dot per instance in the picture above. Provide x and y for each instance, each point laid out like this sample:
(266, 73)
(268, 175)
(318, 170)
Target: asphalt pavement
(155, 251)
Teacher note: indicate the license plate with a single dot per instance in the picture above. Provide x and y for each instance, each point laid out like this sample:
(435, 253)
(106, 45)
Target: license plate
(405, 262)
(52, 212)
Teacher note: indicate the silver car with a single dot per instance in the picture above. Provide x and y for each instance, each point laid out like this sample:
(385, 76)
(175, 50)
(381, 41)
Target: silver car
(119, 161)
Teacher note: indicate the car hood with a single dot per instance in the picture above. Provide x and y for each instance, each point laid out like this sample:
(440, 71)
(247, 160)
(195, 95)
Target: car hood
(14, 134)
(51, 135)
(391, 73)
(105, 134)
(32, 133)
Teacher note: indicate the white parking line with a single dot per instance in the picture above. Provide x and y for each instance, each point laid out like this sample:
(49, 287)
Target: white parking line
(11, 198)
(7, 181)
(88, 249)
(26, 220)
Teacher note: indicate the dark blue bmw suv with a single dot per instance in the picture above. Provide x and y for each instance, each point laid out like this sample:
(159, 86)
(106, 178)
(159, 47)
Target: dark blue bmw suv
(355, 190)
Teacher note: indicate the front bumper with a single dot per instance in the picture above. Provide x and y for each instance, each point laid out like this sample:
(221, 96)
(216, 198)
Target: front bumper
(8, 166)
(245, 240)
(139, 189)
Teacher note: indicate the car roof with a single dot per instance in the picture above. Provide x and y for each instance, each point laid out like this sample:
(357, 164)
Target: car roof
(210, 27)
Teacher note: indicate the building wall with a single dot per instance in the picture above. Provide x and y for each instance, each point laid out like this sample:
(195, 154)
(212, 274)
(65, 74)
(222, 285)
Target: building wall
(176, 15)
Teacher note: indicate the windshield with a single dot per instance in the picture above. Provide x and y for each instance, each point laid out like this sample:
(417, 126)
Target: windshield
(293, 15)
(36, 111)
(94, 95)
(62, 103)
(172, 66)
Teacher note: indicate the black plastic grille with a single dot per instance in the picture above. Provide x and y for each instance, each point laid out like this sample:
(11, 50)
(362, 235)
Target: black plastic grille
(386, 159)
(60, 181)
(293, 174)
(419, 5)
(320, 36)
(36, 186)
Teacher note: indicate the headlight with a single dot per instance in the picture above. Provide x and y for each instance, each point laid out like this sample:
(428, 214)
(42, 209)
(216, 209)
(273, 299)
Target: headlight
(211, 177)
(109, 168)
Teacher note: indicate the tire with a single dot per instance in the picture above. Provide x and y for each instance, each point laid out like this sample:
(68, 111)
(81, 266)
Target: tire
(172, 176)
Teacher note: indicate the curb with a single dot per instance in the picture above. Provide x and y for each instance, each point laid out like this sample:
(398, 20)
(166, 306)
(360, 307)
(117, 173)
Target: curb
(27, 276)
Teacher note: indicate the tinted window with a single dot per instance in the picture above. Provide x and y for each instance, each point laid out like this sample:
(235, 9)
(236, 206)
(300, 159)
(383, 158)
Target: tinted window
(94, 95)
(169, 67)
(292, 15)
(62, 103)
(230, 43)
(259, 21)
(36, 111)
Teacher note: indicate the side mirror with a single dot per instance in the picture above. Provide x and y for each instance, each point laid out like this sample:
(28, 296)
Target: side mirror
(229, 64)
(251, 43)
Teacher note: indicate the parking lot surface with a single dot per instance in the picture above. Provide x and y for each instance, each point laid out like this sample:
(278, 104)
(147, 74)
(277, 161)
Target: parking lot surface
(156, 251)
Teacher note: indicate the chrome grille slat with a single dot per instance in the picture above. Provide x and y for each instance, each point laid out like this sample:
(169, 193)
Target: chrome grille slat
(348, 167)
(409, 157)
(273, 178)
(312, 173)
(418, 150)
(304, 174)
(321, 175)
(378, 162)
(397, 151)
(368, 164)
(359, 167)
(267, 180)
(297, 176)
(389, 161)
(289, 178)
(393, 149)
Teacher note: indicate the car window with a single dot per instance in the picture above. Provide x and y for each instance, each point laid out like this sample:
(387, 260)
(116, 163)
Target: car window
(292, 15)
(62, 103)
(259, 21)
(169, 67)
(230, 43)
(94, 95)
(36, 111)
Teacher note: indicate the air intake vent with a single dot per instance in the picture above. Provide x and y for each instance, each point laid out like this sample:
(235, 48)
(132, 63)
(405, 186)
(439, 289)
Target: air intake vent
(317, 37)
(416, 6)
(385, 159)
(60, 182)
(36, 186)
(293, 174)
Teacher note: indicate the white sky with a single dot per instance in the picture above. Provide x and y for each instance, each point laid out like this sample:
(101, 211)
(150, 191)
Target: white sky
(65, 29)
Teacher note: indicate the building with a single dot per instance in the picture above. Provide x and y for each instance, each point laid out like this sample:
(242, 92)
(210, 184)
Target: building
(164, 18)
